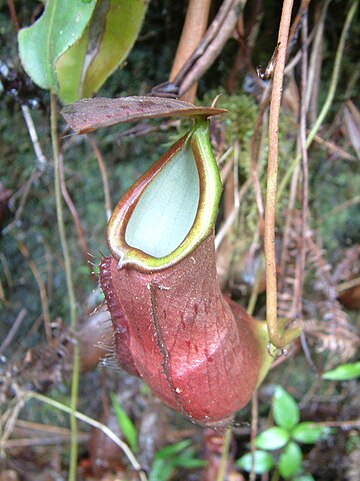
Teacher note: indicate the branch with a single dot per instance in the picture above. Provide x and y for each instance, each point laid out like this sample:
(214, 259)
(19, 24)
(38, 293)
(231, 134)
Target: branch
(82, 417)
(196, 21)
(329, 99)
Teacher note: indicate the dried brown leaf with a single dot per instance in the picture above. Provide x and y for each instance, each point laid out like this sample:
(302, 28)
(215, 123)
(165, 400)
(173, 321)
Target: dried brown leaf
(90, 114)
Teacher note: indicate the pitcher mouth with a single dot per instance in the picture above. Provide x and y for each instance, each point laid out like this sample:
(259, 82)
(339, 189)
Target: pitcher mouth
(167, 207)
(171, 209)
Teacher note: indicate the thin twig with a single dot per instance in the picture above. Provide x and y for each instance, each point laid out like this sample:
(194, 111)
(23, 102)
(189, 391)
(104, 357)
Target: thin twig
(104, 176)
(2, 293)
(226, 164)
(8, 419)
(211, 33)
(6, 269)
(42, 290)
(339, 208)
(41, 441)
(78, 225)
(288, 226)
(23, 192)
(254, 427)
(42, 162)
(13, 15)
(350, 91)
(312, 93)
(10, 335)
(293, 34)
(27, 427)
(278, 336)
(105, 429)
(335, 149)
(196, 21)
(346, 425)
(215, 38)
(300, 264)
(226, 226)
(348, 285)
(255, 289)
(224, 455)
(307, 352)
(256, 151)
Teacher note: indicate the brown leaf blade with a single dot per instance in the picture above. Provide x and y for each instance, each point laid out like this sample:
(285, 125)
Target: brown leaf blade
(90, 114)
(352, 121)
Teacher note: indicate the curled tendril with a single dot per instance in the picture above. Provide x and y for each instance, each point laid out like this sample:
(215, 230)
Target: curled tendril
(275, 352)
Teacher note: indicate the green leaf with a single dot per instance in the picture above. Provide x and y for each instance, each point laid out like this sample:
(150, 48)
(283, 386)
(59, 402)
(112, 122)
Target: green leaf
(273, 438)
(344, 372)
(173, 449)
(290, 461)
(174, 456)
(70, 67)
(161, 470)
(106, 43)
(126, 425)
(285, 409)
(309, 433)
(263, 462)
(59, 27)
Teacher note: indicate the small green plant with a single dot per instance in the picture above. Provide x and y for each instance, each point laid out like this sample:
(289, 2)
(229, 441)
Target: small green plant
(167, 459)
(278, 447)
(172, 457)
(126, 425)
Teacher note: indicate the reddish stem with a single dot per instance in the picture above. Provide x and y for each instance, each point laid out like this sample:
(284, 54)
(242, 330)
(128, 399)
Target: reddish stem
(13, 15)
(276, 332)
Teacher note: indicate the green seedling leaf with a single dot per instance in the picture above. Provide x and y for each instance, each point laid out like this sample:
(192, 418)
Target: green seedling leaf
(161, 470)
(91, 114)
(290, 461)
(273, 438)
(171, 457)
(309, 433)
(105, 44)
(285, 409)
(262, 464)
(344, 372)
(173, 449)
(59, 27)
(126, 425)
